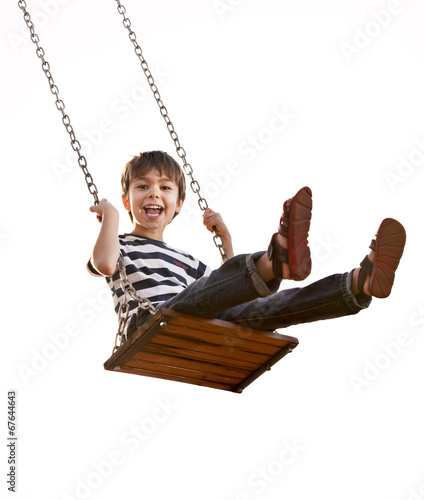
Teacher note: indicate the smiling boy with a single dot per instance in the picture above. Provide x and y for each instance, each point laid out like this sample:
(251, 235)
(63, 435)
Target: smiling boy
(245, 288)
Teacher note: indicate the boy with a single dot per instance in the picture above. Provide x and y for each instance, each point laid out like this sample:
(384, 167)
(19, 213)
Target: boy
(244, 289)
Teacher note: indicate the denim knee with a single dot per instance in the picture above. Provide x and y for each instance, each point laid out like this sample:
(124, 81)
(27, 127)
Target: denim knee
(263, 289)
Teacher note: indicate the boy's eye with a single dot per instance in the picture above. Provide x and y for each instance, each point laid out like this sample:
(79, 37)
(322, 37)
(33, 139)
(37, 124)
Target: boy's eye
(145, 186)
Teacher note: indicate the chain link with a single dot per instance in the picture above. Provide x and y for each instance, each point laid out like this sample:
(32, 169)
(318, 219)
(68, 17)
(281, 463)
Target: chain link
(195, 186)
(126, 286)
(124, 308)
(60, 105)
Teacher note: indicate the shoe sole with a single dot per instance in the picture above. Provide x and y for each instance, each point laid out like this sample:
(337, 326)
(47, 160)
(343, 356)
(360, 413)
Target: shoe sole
(390, 242)
(299, 222)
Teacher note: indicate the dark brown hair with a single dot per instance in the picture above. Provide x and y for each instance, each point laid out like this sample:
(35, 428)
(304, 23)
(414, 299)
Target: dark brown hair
(153, 160)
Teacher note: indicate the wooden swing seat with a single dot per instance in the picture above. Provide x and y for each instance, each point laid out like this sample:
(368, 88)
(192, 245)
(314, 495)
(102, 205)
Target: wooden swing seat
(211, 353)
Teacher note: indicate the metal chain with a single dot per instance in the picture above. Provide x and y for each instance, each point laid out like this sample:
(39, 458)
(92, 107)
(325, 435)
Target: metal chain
(60, 105)
(126, 286)
(124, 308)
(195, 186)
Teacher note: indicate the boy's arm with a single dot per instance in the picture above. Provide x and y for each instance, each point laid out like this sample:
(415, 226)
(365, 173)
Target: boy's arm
(106, 250)
(212, 220)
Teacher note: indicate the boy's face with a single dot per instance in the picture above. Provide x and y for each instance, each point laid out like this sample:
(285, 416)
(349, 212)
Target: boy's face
(153, 201)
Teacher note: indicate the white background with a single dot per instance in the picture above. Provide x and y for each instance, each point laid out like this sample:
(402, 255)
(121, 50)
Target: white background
(223, 69)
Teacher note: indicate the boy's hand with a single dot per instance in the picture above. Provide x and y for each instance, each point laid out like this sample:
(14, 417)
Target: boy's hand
(102, 208)
(213, 221)
(106, 249)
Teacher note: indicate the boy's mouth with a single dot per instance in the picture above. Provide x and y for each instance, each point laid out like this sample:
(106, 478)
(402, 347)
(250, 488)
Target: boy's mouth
(153, 210)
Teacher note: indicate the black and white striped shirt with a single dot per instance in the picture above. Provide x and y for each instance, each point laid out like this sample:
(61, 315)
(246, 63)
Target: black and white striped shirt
(157, 271)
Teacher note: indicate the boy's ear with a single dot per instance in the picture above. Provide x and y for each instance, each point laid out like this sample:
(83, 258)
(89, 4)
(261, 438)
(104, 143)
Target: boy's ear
(126, 203)
(179, 206)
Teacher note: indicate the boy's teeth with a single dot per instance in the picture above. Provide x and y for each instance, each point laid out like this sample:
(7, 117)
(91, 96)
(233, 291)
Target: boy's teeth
(153, 209)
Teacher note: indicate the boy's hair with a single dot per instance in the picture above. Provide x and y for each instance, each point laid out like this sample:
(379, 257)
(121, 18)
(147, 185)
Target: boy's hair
(153, 160)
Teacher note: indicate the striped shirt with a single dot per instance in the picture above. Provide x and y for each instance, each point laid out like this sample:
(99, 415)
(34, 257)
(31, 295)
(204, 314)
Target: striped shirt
(157, 271)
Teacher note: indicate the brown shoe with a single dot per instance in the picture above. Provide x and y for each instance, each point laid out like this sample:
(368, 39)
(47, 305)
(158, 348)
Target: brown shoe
(388, 247)
(294, 225)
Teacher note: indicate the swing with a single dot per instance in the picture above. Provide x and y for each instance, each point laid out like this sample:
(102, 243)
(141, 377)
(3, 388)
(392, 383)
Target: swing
(171, 345)
(211, 353)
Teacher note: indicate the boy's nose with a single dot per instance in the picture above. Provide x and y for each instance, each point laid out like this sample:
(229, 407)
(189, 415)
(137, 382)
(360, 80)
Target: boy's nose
(155, 193)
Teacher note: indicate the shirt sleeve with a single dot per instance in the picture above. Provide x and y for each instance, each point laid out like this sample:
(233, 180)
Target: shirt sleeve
(92, 270)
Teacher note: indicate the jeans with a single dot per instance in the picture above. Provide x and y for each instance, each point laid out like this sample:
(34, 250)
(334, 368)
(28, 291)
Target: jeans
(235, 292)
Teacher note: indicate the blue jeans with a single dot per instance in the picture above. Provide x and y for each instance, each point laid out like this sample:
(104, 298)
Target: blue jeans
(235, 292)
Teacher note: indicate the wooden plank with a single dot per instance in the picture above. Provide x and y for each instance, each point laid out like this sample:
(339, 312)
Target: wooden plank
(187, 362)
(254, 358)
(182, 372)
(230, 343)
(265, 367)
(135, 343)
(232, 330)
(211, 353)
(174, 347)
(174, 378)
